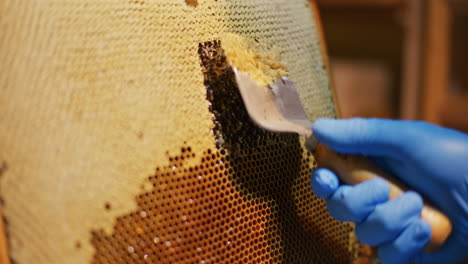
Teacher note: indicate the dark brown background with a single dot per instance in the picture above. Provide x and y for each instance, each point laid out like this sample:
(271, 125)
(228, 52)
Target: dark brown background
(399, 58)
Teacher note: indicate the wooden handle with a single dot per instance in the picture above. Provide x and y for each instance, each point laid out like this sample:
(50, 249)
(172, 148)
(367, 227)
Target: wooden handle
(353, 169)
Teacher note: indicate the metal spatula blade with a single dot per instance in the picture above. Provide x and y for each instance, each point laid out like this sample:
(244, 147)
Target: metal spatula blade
(276, 108)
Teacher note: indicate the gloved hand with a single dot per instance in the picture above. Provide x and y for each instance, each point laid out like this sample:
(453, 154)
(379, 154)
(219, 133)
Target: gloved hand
(431, 159)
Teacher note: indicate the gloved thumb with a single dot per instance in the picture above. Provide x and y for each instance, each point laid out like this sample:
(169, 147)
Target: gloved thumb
(375, 137)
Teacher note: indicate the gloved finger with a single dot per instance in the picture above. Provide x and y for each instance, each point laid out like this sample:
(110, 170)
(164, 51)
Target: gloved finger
(376, 137)
(324, 183)
(355, 203)
(390, 219)
(407, 245)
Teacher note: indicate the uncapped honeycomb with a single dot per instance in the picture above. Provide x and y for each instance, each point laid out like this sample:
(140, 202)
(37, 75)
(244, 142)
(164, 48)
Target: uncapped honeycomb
(246, 201)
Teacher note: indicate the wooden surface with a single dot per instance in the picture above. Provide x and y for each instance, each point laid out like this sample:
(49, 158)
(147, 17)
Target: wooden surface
(4, 255)
(413, 22)
(437, 60)
(326, 58)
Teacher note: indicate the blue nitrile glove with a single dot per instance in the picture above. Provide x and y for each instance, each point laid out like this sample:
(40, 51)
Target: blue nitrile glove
(431, 159)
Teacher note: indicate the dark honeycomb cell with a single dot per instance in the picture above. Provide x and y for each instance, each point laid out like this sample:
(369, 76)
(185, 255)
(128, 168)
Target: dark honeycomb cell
(246, 201)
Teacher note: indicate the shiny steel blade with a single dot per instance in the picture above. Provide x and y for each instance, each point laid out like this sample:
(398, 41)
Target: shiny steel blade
(276, 108)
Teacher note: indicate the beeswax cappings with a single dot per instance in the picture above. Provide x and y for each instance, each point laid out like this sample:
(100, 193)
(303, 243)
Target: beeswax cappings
(262, 63)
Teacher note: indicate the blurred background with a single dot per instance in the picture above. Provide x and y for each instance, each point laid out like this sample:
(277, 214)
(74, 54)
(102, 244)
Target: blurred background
(401, 59)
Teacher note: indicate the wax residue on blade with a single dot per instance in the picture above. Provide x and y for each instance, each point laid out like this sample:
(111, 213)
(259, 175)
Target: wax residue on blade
(262, 63)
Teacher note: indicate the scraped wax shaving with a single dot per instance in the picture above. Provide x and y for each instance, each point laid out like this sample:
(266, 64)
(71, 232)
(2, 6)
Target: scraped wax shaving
(260, 62)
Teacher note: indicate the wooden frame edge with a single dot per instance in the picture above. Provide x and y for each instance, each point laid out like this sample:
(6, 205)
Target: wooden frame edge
(325, 57)
(4, 254)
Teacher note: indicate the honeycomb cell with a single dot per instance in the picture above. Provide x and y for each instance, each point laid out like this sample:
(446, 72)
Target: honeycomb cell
(246, 201)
